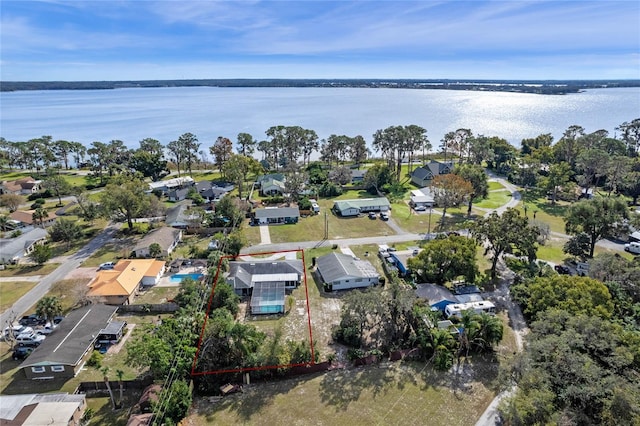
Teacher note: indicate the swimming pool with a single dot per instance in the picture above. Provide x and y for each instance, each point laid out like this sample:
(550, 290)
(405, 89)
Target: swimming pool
(177, 278)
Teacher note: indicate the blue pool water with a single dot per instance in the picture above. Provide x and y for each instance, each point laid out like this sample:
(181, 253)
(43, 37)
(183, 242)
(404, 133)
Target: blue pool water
(176, 278)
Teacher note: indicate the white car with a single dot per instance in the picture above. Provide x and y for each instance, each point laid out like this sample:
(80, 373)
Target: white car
(29, 339)
(106, 265)
(420, 208)
(633, 247)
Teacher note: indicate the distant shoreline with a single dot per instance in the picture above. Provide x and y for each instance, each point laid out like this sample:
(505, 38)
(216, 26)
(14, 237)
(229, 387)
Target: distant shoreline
(542, 87)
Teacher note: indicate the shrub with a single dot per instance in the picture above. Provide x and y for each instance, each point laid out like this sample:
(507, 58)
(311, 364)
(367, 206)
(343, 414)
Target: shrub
(95, 360)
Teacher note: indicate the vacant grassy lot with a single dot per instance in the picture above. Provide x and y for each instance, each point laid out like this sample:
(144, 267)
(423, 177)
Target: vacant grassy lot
(543, 210)
(400, 393)
(421, 222)
(389, 394)
(10, 292)
(70, 292)
(117, 248)
(312, 228)
(28, 270)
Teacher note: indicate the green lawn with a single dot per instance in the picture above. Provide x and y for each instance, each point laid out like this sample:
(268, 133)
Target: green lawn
(70, 292)
(494, 200)
(543, 210)
(493, 186)
(419, 222)
(28, 270)
(312, 228)
(389, 394)
(10, 292)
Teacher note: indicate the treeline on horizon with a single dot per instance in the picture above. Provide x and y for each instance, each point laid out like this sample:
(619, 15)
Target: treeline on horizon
(546, 87)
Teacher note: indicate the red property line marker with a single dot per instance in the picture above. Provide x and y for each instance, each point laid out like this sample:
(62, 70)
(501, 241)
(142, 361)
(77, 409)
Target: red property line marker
(264, 367)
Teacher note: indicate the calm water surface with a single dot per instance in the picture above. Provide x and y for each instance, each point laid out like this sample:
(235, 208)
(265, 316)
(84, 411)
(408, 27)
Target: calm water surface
(208, 112)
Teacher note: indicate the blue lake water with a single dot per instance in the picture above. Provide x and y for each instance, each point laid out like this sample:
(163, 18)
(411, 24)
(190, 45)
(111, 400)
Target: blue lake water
(208, 112)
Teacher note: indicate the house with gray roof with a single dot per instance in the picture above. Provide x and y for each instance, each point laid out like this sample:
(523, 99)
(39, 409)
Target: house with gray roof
(340, 271)
(276, 215)
(213, 191)
(266, 282)
(14, 249)
(424, 175)
(64, 351)
(357, 175)
(181, 217)
(349, 208)
(437, 296)
(167, 238)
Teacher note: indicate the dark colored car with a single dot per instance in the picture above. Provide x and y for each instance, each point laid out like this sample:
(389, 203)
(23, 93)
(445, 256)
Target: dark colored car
(33, 319)
(562, 270)
(21, 353)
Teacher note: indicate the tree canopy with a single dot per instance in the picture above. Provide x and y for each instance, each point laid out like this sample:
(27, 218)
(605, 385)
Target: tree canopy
(597, 218)
(443, 260)
(507, 233)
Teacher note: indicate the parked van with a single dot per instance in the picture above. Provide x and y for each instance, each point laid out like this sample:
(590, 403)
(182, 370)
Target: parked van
(633, 247)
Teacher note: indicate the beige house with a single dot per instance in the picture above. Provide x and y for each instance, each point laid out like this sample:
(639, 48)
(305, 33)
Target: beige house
(25, 218)
(119, 286)
(22, 186)
(167, 238)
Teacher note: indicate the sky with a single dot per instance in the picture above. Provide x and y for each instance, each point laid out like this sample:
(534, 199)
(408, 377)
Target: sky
(63, 40)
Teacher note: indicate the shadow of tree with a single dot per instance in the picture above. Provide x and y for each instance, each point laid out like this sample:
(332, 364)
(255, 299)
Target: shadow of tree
(339, 388)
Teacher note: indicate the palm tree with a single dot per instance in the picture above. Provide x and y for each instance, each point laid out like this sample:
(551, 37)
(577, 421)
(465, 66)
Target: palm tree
(105, 372)
(491, 330)
(39, 215)
(442, 343)
(4, 222)
(470, 331)
(48, 307)
(120, 374)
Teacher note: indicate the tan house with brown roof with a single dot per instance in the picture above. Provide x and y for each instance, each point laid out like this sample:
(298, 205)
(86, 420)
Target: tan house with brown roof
(119, 286)
(22, 186)
(25, 218)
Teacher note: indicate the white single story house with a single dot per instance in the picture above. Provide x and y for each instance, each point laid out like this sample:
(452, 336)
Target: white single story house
(342, 272)
(165, 186)
(346, 208)
(276, 215)
(14, 249)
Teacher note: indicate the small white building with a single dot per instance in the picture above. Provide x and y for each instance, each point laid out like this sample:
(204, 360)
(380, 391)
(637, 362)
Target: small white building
(343, 272)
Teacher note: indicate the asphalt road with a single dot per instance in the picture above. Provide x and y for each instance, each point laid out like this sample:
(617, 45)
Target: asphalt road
(36, 293)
